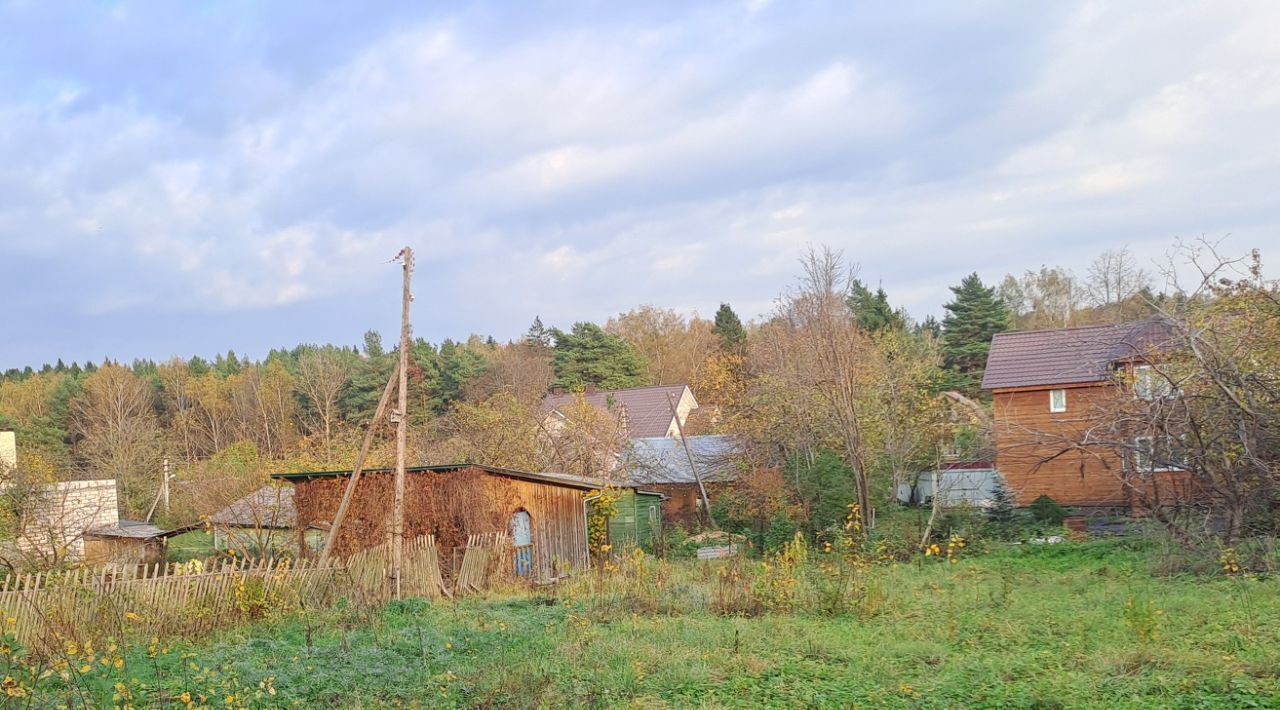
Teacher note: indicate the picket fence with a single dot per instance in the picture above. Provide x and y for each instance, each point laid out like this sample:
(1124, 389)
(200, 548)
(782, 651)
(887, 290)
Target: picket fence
(370, 571)
(46, 609)
(487, 555)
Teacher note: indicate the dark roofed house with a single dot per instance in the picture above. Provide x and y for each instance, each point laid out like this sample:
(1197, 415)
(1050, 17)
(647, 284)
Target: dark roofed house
(263, 522)
(662, 464)
(645, 411)
(1050, 389)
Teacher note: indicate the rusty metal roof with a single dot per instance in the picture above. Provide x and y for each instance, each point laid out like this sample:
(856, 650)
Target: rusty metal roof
(1067, 356)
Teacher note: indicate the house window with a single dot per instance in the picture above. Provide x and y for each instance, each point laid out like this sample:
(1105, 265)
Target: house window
(1057, 400)
(1150, 384)
(1157, 453)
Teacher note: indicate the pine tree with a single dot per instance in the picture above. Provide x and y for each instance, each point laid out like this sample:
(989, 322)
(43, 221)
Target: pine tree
(590, 355)
(373, 344)
(929, 325)
(537, 336)
(871, 311)
(729, 327)
(973, 317)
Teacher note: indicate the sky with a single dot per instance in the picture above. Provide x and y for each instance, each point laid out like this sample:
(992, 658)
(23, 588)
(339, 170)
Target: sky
(187, 178)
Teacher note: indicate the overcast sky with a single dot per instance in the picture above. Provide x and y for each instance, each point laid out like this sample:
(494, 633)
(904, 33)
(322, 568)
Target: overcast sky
(183, 178)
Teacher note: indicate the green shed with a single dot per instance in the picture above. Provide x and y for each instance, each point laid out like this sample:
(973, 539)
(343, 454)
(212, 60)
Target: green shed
(638, 519)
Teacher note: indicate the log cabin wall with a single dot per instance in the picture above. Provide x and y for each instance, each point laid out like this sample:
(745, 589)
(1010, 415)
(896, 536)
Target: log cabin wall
(1034, 446)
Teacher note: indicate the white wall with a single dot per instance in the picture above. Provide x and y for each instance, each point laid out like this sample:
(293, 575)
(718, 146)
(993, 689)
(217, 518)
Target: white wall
(58, 515)
(8, 451)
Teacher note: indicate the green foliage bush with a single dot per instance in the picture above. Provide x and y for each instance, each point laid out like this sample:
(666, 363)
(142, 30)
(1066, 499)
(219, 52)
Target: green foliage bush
(1046, 510)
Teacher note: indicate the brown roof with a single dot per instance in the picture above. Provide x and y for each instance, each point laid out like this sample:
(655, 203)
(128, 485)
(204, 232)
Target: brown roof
(648, 408)
(1066, 356)
(267, 507)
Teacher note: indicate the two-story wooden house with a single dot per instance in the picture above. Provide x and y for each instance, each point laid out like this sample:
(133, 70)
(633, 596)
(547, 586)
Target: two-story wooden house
(1056, 395)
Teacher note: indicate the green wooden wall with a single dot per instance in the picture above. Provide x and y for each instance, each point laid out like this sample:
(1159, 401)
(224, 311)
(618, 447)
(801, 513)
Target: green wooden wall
(638, 520)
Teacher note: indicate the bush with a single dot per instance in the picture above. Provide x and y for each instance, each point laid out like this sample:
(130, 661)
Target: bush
(782, 529)
(1002, 504)
(1047, 511)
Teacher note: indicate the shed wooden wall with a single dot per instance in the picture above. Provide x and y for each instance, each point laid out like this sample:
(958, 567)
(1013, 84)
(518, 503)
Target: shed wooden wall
(105, 550)
(450, 504)
(1030, 441)
(683, 502)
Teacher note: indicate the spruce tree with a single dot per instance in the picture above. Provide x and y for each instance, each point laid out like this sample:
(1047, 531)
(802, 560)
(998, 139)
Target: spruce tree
(973, 317)
(729, 327)
(590, 355)
(871, 310)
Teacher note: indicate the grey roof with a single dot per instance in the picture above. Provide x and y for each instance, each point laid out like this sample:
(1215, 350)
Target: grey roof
(648, 408)
(657, 460)
(267, 507)
(135, 530)
(1066, 356)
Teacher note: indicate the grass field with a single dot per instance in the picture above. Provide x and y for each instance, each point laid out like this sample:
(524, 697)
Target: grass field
(1070, 625)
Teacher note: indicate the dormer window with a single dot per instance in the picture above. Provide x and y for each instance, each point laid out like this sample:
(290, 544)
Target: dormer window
(1057, 400)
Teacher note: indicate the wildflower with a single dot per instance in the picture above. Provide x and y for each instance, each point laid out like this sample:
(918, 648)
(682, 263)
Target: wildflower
(131, 616)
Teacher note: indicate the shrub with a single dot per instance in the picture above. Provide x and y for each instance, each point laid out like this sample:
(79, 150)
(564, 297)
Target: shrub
(1002, 504)
(1047, 511)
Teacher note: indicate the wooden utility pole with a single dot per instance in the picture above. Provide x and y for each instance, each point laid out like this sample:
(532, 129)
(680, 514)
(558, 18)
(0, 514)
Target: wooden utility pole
(402, 431)
(706, 503)
(359, 467)
(164, 488)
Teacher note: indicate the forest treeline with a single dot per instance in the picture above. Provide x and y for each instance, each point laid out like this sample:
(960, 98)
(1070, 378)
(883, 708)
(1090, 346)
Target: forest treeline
(223, 423)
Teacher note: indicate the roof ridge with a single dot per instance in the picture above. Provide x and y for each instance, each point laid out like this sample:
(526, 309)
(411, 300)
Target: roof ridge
(1063, 330)
(623, 389)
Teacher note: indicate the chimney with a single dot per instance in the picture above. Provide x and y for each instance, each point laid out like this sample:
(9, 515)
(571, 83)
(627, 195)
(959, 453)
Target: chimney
(591, 389)
(8, 452)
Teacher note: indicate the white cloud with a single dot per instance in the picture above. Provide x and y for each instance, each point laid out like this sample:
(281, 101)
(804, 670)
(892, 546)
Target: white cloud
(677, 156)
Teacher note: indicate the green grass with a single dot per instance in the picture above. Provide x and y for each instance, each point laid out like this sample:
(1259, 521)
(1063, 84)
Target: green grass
(1070, 625)
(191, 545)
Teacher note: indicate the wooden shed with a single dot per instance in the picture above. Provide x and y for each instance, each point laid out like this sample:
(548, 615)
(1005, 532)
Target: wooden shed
(545, 513)
(128, 542)
(638, 520)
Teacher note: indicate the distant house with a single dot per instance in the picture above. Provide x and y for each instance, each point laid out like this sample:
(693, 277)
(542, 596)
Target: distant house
(55, 516)
(128, 542)
(661, 464)
(80, 521)
(643, 411)
(263, 522)
(1051, 393)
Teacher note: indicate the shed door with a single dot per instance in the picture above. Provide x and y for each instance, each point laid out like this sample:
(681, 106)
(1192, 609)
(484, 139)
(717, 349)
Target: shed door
(522, 540)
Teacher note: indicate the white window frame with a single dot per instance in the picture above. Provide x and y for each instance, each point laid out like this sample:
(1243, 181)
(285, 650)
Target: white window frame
(1149, 384)
(1144, 457)
(1055, 406)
